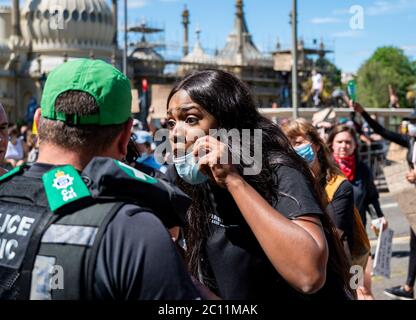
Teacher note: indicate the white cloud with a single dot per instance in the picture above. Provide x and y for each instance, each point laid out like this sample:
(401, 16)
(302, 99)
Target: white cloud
(339, 12)
(327, 20)
(409, 49)
(379, 8)
(136, 4)
(390, 7)
(348, 34)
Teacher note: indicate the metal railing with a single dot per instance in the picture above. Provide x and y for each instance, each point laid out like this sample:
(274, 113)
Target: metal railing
(374, 156)
(341, 112)
(389, 118)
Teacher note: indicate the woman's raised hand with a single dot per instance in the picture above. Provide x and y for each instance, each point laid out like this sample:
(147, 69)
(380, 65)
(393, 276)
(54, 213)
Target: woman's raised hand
(215, 159)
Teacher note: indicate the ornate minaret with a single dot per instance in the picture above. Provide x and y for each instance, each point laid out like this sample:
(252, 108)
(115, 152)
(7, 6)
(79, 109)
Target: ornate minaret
(322, 49)
(16, 19)
(114, 11)
(278, 44)
(240, 25)
(185, 22)
(240, 48)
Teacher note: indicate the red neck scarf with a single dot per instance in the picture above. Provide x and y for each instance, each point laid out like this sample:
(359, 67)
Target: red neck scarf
(347, 165)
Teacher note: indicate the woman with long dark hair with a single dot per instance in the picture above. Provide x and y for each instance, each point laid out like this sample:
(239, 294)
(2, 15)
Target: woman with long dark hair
(262, 236)
(344, 145)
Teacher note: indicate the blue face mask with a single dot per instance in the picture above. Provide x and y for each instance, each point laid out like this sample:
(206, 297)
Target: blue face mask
(187, 169)
(306, 152)
(142, 157)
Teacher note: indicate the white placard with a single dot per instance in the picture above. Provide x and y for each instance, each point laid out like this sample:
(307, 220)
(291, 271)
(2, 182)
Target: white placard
(383, 254)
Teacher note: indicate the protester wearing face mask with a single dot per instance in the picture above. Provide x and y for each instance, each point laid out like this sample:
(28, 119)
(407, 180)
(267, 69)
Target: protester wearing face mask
(407, 140)
(258, 236)
(306, 140)
(308, 144)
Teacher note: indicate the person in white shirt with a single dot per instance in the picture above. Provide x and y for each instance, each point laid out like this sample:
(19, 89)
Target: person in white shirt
(16, 148)
(317, 87)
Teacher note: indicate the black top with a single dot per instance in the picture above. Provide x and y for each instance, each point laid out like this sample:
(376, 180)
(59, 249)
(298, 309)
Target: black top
(239, 267)
(137, 258)
(401, 139)
(365, 192)
(341, 211)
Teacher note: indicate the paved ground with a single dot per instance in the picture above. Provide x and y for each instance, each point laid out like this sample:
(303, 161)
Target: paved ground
(399, 224)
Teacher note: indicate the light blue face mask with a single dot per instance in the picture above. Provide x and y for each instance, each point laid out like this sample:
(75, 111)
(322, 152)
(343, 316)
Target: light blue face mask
(306, 152)
(142, 157)
(187, 169)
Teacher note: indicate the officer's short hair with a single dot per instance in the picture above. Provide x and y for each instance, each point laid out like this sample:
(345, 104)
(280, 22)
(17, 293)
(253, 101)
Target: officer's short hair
(87, 138)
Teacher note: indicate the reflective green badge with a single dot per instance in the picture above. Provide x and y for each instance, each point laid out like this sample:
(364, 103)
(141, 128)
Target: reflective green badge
(136, 174)
(64, 185)
(13, 172)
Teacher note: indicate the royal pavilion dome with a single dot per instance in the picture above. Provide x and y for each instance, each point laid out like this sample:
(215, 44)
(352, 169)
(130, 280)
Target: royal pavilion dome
(53, 26)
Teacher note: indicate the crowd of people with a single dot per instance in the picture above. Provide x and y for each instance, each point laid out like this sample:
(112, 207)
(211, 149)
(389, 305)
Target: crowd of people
(21, 146)
(196, 227)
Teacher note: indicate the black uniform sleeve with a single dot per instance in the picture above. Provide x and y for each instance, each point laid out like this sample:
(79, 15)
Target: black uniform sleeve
(296, 196)
(171, 175)
(341, 210)
(372, 195)
(373, 199)
(398, 138)
(138, 260)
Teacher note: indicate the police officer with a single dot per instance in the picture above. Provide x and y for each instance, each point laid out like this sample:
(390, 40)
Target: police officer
(80, 224)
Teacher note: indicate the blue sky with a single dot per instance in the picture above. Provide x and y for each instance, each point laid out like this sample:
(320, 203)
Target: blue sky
(386, 22)
(389, 22)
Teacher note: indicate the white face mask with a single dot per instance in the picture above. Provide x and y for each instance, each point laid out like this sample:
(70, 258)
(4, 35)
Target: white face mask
(411, 130)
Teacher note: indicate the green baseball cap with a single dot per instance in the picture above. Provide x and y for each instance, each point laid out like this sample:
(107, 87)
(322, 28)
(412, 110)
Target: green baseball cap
(110, 88)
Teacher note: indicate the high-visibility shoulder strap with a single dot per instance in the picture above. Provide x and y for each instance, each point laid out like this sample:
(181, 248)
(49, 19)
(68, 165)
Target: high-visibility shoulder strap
(12, 173)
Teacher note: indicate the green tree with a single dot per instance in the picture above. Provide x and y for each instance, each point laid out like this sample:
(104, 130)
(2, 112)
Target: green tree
(414, 66)
(387, 66)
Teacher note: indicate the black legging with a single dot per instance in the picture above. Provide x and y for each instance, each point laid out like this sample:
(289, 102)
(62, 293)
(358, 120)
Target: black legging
(411, 274)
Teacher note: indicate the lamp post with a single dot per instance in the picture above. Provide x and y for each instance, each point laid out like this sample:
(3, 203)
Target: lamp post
(114, 10)
(294, 22)
(125, 39)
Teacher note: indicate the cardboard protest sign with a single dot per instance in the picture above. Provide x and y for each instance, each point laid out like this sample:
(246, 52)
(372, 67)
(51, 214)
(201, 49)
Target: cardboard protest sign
(382, 259)
(403, 191)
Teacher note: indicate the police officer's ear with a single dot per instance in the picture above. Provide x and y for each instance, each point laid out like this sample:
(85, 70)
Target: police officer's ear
(124, 138)
(36, 118)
